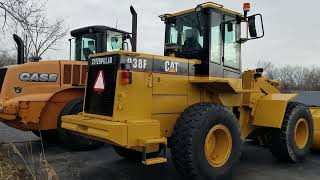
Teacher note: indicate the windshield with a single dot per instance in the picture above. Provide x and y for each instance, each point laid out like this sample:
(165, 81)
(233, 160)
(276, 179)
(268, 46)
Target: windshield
(188, 33)
(92, 43)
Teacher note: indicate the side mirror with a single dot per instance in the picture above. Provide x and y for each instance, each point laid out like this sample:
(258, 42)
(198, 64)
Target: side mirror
(252, 26)
(255, 26)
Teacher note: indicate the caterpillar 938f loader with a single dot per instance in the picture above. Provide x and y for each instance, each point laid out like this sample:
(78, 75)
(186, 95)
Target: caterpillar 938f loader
(35, 95)
(195, 99)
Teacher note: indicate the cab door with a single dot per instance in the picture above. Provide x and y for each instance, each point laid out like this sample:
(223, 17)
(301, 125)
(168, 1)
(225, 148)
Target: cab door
(224, 54)
(231, 47)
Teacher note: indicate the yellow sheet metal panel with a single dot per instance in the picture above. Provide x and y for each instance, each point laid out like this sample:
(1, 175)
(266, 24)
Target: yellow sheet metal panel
(279, 97)
(270, 110)
(235, 83)
(169, 104)
(133, 101)
(230, 100)
(315, 111)
(167, 122)
(123, 134)
(138, 131)
(194, 94)
(170, 84)
(316, 140)
(114, 132)
(245, 124)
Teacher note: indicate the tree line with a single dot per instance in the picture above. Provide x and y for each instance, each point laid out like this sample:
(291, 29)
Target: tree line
(28, 19)
(293, 77)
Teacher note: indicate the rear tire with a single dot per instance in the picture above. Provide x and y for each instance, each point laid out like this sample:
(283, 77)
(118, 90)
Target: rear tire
(292, 143)
(48, 136)
(69, 139)
(206, 142)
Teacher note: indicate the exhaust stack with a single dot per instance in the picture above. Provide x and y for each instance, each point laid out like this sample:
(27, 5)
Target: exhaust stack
(19, 42)
(134, 29)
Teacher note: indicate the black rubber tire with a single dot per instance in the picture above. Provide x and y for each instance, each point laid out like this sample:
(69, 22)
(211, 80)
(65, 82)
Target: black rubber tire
(282, 144)
(189, 136)
(69, 139)
(128, 154)
(48, 136)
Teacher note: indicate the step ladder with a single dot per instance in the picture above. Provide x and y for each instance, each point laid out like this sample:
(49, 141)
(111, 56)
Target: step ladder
(161, 157)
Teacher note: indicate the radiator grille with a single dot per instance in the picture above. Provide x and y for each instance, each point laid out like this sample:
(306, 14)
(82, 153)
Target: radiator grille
(101, 103)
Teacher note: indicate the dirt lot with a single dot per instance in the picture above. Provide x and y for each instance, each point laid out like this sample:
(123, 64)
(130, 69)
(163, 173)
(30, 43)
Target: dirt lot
(256, 162)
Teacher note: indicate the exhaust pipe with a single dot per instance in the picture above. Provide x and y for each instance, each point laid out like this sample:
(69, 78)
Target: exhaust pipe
(134, 29)
(19, 42)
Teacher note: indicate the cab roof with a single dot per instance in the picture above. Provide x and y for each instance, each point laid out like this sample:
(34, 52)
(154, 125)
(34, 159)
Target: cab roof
(95, 29)
(206, 5)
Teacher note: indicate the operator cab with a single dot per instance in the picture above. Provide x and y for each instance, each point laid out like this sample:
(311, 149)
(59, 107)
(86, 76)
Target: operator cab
(211, 34)
(97, 39)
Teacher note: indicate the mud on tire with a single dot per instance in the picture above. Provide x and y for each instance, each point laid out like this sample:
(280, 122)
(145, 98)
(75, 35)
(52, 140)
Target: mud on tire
(284, 145)
(189, 140)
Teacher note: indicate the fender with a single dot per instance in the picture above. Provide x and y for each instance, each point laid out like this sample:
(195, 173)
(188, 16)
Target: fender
(270, 110)
(50, 112)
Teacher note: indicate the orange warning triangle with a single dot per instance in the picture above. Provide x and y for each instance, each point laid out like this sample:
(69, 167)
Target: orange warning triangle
(99, 83)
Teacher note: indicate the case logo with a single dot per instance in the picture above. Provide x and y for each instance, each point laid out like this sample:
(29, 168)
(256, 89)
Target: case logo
(38, 77)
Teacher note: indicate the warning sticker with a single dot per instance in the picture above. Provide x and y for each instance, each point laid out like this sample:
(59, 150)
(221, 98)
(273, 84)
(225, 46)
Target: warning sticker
(99, 83)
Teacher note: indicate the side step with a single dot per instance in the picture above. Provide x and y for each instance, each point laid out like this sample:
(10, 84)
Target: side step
(162, 157)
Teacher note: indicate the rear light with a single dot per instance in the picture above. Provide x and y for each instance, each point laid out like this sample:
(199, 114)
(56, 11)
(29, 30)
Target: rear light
(126, 77)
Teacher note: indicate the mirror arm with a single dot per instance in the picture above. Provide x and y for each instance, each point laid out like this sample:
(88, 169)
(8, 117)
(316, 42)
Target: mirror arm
(242, 40)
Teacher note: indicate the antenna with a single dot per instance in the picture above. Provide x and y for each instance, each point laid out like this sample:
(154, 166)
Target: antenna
(117, 24)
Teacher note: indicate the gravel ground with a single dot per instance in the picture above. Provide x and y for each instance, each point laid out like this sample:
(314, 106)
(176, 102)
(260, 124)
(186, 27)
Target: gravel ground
(103, 163)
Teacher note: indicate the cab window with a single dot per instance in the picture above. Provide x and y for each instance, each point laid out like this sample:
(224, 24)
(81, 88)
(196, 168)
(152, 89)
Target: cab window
(230, 45)
(114, 41)
(187, 33)
(85, 45)
(215, 37)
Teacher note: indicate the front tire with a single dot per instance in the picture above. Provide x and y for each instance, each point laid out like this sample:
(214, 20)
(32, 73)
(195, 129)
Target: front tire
(206, 142)
(69, 139)
(293, 141)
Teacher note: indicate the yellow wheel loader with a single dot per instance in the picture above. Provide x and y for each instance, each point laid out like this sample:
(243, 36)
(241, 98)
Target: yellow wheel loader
(35, 95)
(195, 99)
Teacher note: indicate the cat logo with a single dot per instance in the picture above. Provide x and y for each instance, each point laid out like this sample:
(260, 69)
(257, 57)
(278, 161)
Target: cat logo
(171, 66)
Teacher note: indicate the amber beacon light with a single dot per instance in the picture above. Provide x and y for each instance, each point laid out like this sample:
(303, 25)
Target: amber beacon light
(246, 7)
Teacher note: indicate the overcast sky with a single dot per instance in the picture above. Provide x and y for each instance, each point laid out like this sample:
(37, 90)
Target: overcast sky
(291, 28)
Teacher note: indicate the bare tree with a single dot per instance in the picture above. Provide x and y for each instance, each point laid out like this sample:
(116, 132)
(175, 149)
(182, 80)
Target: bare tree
(19, 11)
(293, 77)
(6, 59)
(28, 18)
(269, 69)
(42, 36)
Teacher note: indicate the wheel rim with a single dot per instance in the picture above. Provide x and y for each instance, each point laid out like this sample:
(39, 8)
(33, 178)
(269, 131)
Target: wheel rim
(301, 133)
(218, 145)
